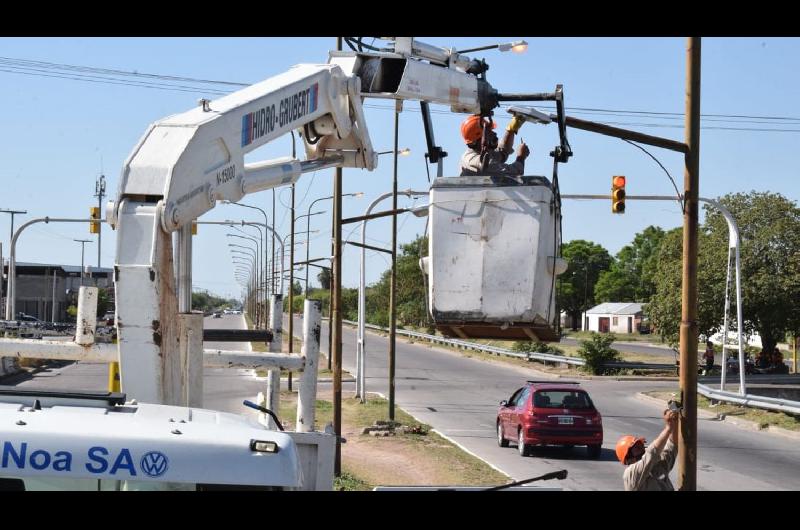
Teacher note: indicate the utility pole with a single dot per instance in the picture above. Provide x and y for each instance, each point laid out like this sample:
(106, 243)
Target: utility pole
(687, 437)
(393, 283)
(291, 286)
(336, 317)
(99, 192)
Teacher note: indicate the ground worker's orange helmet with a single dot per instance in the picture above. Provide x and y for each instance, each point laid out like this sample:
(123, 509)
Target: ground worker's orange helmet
(624, 445)
(471, 128)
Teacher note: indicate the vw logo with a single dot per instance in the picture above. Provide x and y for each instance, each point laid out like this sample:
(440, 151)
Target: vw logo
(154, 463)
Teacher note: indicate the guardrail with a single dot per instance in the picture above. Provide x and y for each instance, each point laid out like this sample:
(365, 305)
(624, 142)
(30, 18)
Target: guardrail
(750, 400)
(546, 357)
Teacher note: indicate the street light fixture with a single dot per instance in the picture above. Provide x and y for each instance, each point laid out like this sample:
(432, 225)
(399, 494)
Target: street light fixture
(308, 223)
(402, 152)
(517, 46)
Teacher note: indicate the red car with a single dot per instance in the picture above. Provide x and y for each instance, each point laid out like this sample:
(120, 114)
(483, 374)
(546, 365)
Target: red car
(550, 413)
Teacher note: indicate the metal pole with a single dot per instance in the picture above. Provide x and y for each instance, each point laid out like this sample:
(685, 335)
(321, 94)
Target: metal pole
(11, 291)
(312, 311)
(336, 321)
(273, 242)
(53, 306)
(393, 283)
(100, 192)
(687, 437)
(291, 287)
(361, 390)
(185, 268)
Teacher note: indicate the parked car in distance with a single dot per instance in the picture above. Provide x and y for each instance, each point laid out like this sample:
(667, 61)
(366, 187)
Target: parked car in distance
(217, 315)
(550, 413)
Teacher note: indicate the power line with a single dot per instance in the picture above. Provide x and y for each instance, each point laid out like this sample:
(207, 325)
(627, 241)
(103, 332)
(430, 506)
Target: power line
(112, 76)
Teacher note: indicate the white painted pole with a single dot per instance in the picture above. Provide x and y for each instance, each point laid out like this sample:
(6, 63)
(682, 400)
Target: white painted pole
(87, 315)
(184, 268)
(274, 376)
(191, 351)
(360, 338)
(307, 395)
(725, 324)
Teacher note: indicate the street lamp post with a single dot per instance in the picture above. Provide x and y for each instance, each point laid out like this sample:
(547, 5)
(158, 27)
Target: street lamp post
(253, 260)
(12, 212)
(308, 222)
(258, 273)
(266, 224)
(83, 244)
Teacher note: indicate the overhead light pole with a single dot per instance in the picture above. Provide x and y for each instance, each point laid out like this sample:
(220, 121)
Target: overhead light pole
(83, 244)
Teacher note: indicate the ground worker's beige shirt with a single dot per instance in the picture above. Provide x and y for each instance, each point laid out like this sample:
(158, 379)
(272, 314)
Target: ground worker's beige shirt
(651, 473)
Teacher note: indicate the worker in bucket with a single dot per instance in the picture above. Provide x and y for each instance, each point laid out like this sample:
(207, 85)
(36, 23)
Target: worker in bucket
(484, 156)
(647, 468)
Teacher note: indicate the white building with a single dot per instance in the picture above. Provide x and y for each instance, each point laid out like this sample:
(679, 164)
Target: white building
(613, 317)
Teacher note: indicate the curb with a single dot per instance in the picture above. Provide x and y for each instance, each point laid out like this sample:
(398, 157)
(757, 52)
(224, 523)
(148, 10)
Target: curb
(449, 439)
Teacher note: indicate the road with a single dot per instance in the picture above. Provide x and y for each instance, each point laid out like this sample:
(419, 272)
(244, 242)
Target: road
(458, 396)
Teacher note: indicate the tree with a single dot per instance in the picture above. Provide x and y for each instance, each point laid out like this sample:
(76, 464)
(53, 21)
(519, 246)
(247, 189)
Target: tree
(411, 302)
(324, 278)
(769, 227)
(577, 285)
(630, 278)
(104, 301)
(297, 288)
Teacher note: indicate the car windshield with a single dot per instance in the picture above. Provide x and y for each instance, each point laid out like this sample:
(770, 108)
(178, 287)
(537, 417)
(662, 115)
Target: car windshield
(562, 399)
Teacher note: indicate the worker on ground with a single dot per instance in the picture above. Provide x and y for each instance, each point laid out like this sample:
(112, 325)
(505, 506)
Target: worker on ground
(648, 468)
(484, 156)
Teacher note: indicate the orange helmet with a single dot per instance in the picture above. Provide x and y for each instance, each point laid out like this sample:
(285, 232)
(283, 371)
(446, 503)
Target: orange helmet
(471, 128)
(624, 445)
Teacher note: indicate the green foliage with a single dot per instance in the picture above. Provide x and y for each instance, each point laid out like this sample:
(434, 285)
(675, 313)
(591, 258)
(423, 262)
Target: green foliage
(576, 291)
(630, 278)
(528, 346)
(104, 301)
(598, 351)
(769, 227)
(205, 301)
(297, 288)
(72, 312)
(411, 295)
(324, 278)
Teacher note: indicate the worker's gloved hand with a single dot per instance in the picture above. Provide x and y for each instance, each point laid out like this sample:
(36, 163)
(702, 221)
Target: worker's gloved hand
(516, 123)
(523, 151)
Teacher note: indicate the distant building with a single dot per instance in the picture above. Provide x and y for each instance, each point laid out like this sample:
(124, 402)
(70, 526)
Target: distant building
(38, 283)
(614, 317)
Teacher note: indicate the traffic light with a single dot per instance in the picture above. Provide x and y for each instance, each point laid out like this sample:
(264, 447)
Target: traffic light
(94, 226)
(617, 194)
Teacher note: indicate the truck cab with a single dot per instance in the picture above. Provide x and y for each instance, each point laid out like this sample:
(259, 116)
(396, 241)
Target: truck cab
(96, 441)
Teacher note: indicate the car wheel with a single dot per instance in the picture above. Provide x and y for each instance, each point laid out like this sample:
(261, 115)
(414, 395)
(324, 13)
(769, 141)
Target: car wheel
(524, 449)
(501, 440)
(594, 450)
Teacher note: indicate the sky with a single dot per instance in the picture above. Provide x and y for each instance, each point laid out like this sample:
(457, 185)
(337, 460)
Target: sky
(62, 130)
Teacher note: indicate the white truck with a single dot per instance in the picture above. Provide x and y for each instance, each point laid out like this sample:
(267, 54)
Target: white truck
(180, 168)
